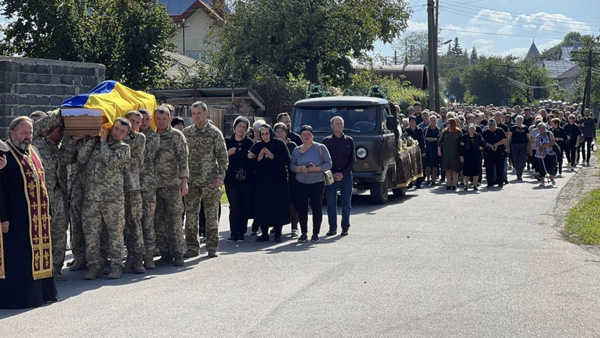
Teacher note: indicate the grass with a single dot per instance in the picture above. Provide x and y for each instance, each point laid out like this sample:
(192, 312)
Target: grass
(224, 199)
(597, 144)
(583, 221)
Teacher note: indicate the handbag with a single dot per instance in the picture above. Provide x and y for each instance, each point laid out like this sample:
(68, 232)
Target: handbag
(327, 174)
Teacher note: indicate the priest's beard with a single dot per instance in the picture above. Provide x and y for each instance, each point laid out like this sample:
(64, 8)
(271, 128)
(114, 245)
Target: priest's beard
(23, 145)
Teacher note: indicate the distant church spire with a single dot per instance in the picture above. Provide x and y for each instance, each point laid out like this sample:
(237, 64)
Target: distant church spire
(533, 52)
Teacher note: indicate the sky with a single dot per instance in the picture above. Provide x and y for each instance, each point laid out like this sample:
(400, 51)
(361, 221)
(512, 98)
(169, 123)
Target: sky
(504, 27)
(501, 27)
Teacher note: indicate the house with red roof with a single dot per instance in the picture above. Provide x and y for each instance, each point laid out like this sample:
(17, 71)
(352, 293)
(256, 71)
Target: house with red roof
(195, 19)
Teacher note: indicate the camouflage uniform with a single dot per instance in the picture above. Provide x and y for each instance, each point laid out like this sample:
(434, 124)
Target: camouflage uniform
(72, 155)
(208, 161)
(103, 207)
(148, 187)
(133, 197)
(56, 185)
(170, 164)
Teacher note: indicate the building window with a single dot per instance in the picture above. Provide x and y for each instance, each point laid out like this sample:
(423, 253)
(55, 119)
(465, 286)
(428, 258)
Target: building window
(194, 54)
(202, 56)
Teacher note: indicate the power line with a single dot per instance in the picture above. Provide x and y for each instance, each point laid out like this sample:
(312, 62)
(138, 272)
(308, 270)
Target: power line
(516, 13)
(562, 29)
(526, 86)
(500, 34)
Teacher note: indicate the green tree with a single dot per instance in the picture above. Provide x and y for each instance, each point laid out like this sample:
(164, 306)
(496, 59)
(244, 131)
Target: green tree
(534, 82)
(453, 83)
(456, 48)
(590, 46)
(570, 39)
(486, 83)
(128, 36)
(473, 56)
(305, 37)
(415, 46)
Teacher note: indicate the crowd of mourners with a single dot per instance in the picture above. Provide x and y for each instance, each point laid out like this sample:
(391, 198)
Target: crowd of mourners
(459, 142)
(132, 193)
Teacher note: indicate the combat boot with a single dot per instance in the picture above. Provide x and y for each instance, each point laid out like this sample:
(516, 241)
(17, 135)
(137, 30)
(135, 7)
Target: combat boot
(164, 260)
(189, 253)
(58, 276)
(93, 272)
(149, 263)
(106, 267)
(137, 266)
(128, 265)
(78, 264)
(115, 272)
(178, 261)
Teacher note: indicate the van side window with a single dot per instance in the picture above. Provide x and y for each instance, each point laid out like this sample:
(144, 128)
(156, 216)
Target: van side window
(385, 112)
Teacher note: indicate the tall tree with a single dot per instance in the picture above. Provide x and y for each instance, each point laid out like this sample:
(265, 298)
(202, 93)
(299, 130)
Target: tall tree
(456, 48)
(415, 46)
(128, 36)
(473, 57)
(305, 37)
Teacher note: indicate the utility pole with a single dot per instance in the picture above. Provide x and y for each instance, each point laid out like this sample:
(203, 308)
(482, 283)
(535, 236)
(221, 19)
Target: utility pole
(431, 49)
(436, 75)
(587, 92)
(183, 35)
(589, 62)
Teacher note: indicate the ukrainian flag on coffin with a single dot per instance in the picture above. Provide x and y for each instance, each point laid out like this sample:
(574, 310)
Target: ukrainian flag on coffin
(113, 99)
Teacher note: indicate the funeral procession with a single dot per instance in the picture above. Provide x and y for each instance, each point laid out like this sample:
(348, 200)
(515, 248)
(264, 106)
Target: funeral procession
(285, 168)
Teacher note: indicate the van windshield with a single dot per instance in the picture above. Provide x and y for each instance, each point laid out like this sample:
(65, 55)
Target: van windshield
(356, 119)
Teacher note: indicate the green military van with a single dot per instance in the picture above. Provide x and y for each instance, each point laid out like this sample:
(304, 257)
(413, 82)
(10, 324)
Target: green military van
(373, 124)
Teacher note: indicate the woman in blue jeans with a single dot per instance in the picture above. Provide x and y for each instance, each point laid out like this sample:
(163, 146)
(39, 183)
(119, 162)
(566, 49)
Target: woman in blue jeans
(341, 149)
(309, 162)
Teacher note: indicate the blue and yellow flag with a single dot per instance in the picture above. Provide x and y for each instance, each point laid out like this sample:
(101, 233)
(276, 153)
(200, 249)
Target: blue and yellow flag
(114, 99)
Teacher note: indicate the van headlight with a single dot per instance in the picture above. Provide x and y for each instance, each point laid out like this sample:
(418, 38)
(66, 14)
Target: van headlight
(362, 153)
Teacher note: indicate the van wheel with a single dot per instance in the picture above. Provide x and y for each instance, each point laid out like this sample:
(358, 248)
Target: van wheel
(379, 193)
(399, 192)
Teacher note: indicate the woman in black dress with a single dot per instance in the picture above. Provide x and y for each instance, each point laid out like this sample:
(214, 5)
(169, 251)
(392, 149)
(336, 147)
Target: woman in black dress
(238, 179)
(495, 140)
(518, 139)
(432, 160)
(282, 133)
(271, 159)
(471, 146)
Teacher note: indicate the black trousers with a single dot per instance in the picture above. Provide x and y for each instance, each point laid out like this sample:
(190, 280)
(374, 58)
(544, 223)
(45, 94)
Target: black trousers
(314, 194)
(586, 148)
(494, 162)
(239, 196)
(572, 154)
(559, 159)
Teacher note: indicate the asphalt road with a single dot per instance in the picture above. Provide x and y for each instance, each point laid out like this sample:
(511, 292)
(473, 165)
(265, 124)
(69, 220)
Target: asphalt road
(431, 264)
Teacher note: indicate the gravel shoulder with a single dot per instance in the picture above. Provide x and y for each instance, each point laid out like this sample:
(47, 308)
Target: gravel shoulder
(585, 180)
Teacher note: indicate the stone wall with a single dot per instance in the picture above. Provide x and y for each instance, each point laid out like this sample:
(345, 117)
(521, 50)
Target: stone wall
(27, 85)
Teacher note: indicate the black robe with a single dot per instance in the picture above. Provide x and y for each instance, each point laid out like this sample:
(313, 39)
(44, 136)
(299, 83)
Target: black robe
(271, 178)
(470, 151)
(19, 290)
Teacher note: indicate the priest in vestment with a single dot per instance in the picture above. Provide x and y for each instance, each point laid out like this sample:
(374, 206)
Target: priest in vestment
(25, 243)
